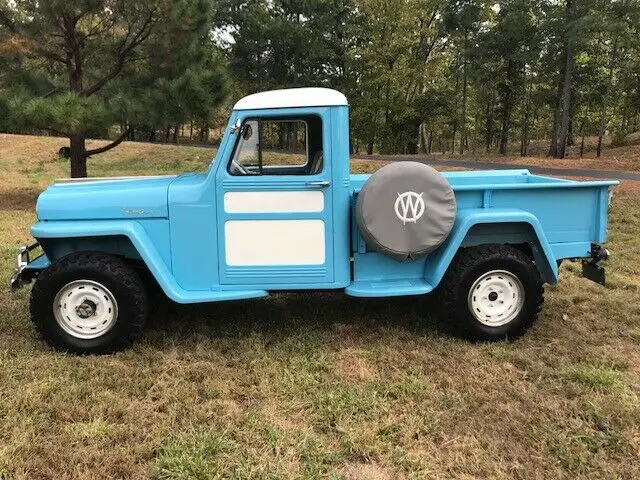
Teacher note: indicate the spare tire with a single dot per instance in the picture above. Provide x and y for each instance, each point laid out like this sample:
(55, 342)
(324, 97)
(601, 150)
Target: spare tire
(405, 210)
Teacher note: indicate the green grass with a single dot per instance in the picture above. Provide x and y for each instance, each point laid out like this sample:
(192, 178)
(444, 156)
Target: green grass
(319, 385)
(597, 377)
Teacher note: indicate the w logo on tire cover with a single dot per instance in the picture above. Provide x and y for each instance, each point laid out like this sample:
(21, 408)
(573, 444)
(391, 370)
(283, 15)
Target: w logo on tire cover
(409, 207)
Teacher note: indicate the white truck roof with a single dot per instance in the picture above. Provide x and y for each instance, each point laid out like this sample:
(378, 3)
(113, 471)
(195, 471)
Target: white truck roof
(291, 98)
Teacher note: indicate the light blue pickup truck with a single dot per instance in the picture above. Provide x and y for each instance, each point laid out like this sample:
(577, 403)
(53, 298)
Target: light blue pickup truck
(278, 210)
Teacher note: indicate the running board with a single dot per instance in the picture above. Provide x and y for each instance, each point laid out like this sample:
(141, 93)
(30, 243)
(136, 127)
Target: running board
(207, 296)
(389, 288)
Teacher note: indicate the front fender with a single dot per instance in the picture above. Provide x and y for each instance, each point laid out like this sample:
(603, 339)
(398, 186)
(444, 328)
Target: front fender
(438, 263)
(147, 251)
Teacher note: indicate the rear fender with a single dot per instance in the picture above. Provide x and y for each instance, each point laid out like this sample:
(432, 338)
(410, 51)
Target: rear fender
(531, 232)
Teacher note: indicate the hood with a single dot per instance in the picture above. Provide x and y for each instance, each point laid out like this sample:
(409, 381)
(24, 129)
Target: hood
(105, 198)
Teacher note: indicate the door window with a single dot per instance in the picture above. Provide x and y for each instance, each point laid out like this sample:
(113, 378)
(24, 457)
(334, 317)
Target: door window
(278, 147)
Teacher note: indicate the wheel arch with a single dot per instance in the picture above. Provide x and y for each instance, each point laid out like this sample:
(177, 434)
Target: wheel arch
(517, 228)
(118, 245)
(121, 238)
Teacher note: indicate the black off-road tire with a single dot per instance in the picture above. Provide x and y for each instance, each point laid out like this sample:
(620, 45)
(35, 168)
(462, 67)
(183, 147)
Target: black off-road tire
(113, 273)
(472, 263)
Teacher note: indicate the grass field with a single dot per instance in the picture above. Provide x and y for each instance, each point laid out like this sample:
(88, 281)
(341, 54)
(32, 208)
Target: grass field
(319, 385)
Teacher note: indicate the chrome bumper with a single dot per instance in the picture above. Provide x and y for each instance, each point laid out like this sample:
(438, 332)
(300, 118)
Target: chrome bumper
(23, 258)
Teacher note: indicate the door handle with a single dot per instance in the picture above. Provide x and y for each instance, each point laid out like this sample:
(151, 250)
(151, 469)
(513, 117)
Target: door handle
(319, 184)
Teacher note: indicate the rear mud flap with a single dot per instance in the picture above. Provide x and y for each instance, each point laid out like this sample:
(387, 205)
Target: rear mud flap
(593, 272)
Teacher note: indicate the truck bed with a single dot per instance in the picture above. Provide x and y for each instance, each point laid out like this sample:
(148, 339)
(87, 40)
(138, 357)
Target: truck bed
(570, 216)
(499, 180)
(569, 210)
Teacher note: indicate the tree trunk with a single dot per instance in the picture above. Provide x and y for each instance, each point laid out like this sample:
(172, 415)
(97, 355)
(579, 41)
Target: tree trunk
(570, 138)
(370, 146)
(77, 143)
(453, 140)
(526, 122)
(623, 120)
(463, 117)
(506, 126)
(175, 134)
(507, 107)
(553, 145)
(601, 128)
(568, 83)
(422, 138)
(78, 156)
(455, 108)
(489, 126)
(524, 141)
(374, 128)
(583, 127)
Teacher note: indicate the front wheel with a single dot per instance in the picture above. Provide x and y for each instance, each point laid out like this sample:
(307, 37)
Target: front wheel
(492, 292)
(89, 303)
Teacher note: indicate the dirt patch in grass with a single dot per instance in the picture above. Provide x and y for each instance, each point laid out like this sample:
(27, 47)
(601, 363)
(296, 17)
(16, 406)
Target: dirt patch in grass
(351, 365)
(320, 385)
(367, 471)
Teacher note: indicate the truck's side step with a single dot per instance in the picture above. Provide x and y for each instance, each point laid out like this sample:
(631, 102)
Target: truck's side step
(389, 288)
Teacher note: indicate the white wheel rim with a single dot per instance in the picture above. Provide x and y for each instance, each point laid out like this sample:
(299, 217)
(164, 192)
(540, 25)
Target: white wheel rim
(496, 298)
(85, 309)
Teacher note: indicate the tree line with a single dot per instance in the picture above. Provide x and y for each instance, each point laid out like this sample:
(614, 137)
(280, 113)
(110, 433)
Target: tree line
(421, 75)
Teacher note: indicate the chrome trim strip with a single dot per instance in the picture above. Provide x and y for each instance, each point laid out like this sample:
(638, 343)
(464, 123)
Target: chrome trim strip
(62, 181)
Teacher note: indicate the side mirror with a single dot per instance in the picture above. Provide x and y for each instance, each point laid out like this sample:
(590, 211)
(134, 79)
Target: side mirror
(247, 132)
(236, 128)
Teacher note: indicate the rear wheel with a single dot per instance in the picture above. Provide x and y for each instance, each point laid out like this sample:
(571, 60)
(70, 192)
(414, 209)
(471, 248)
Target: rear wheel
(492, 292)
(89, 303)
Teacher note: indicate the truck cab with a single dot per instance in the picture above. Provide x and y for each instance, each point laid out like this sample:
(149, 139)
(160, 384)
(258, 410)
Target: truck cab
(278, 190)
(277, 210)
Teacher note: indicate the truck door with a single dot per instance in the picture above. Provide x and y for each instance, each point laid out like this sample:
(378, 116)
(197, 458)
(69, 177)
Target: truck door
(274, 201)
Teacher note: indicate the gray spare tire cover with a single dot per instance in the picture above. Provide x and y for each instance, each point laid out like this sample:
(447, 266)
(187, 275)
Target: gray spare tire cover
(405, 209)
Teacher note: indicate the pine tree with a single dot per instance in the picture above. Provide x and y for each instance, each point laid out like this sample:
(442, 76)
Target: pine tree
(77, 67)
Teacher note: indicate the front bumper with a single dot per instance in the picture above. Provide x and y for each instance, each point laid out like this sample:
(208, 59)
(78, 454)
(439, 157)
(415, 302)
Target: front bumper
(26, 268)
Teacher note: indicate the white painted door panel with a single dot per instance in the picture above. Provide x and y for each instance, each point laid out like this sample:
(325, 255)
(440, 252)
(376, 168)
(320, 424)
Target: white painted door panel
(262, 243)
(274, 202)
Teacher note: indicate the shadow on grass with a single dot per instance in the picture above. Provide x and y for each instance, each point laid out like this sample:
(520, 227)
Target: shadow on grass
(20, 199)
(283, 315)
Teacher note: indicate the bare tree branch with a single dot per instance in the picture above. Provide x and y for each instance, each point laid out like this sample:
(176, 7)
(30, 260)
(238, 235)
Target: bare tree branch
(108, 147)
(123, 52)
(48, 54)
(50, 92)
(99, 28)
(6, 20)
